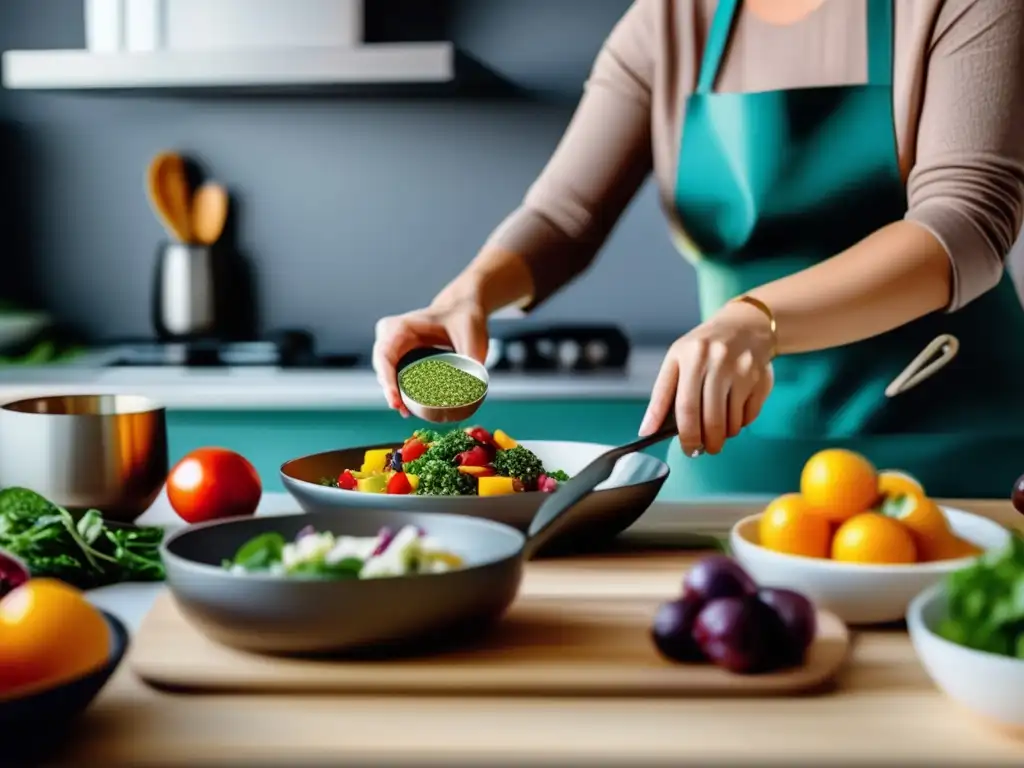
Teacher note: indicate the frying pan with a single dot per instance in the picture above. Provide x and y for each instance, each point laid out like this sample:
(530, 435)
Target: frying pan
(279, 615)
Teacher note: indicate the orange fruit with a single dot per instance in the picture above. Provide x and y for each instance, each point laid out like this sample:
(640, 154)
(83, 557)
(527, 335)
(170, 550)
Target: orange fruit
(927, 525)
(953, 548)
(789, 526)
(873, 538)
(49, 633)
(839, 484)
(892, 482)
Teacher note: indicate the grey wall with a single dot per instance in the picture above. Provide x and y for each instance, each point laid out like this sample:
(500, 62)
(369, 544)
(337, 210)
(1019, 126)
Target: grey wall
(350, 208)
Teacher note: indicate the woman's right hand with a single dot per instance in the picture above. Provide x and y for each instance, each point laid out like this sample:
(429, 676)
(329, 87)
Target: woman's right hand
(460, 324)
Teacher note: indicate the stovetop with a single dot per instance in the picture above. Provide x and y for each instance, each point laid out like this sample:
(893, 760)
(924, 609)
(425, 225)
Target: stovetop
(289, 349)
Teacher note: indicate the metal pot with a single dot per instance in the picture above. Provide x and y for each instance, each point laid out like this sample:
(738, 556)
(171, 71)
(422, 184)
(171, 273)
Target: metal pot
(105, 452)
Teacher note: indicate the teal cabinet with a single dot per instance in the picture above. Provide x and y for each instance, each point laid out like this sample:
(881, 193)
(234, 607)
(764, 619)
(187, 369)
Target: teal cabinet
(268, 438)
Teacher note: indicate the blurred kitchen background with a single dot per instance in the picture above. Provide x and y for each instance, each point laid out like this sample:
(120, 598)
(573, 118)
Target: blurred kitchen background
(349, 207)
(348, 203)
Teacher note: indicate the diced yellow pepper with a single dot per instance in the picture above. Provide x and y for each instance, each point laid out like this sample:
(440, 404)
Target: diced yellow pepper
(374, 484)
(503, 441)
(414, 481)
(375, 460)
(496, 486)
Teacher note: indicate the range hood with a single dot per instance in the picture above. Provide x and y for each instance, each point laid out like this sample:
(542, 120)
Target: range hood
(183, 44)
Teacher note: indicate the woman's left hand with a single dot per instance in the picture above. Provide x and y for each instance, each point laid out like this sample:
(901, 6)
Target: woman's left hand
(717, 377)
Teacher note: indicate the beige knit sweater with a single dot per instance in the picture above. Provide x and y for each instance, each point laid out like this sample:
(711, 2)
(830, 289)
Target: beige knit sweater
(959, 106)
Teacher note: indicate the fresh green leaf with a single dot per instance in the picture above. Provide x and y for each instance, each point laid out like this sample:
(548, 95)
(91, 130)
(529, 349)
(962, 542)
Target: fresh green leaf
(90, 526)
(260, 552)
(986, 602)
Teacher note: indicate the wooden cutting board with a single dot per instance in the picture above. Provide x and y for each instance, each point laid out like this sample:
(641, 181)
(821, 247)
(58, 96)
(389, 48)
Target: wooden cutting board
(549, 646)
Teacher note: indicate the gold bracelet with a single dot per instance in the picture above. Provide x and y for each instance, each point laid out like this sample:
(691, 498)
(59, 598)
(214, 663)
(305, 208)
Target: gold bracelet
(767, 312)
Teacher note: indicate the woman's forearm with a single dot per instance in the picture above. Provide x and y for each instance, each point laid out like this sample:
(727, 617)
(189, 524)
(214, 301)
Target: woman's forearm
(495, 279)
(896, 275)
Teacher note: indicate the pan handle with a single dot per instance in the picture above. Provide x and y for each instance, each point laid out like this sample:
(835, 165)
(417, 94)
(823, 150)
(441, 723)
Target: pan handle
(557, 508)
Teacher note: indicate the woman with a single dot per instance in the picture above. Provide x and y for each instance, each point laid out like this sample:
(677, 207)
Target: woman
(847, 178)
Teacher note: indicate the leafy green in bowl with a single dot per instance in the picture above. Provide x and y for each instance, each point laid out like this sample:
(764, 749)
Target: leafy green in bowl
(985, 603)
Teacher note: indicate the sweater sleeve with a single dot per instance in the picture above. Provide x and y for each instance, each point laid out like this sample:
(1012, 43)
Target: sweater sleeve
(598, 166)
(967, 186)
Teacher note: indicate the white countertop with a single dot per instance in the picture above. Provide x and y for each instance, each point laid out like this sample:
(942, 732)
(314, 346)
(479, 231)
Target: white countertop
(258, 387)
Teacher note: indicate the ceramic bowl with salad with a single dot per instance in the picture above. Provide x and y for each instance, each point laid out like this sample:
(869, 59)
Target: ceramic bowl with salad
(475, 471)
(311, 583)
(968, 632)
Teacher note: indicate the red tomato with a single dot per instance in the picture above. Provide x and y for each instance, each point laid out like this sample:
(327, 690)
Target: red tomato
(399, 484)
(477, 456)
(346, 481)
(480, 434)
(211, 483)
(412, 450)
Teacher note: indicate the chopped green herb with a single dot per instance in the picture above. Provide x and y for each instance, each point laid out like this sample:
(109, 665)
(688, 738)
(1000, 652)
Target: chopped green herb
(520, 463)
(439, 478)
(439, 384)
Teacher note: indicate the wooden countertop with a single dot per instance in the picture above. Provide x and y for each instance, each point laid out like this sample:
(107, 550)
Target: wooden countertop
(884, 709)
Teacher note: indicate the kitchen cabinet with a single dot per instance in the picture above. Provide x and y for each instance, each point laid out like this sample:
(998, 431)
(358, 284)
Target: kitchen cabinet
(269, 438)
(235, 44)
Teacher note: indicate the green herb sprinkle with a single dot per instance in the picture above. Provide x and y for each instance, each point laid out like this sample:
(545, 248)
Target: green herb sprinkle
(438, 384)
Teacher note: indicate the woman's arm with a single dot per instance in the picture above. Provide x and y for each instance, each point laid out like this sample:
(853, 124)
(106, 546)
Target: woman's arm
(966, 196)
(599, 165)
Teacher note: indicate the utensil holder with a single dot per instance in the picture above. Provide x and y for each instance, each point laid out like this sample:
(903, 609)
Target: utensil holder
(185, 292)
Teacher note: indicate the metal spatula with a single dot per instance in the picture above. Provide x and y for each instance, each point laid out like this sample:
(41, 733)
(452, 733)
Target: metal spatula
(554, 512)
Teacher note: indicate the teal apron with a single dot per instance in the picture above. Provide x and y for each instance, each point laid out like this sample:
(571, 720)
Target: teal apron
(771, 183)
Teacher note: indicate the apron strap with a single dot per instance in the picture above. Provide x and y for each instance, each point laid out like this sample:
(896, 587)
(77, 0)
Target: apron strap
(714, 48)
(880, 42)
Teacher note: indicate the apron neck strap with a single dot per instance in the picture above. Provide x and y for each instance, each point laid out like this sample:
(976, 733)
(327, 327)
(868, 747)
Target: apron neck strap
(714, 47)
(880, 42)
(879, 34)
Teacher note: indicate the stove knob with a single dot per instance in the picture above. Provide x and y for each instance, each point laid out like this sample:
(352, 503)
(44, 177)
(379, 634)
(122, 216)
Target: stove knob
(596, 353)
(515, 353)
(568, 354)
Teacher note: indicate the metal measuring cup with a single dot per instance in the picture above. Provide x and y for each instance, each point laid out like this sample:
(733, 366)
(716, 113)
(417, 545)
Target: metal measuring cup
(445, 414)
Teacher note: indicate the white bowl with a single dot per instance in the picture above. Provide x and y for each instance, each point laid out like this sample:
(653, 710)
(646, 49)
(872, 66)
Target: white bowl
(988, 685)
(858, 594)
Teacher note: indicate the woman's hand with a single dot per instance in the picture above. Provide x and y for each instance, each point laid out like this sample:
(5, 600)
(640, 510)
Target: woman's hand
(460, 324)
(716, 377)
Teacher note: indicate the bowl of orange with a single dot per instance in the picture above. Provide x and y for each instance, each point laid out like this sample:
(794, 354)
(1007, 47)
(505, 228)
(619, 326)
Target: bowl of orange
(859, 542)
(57, 652)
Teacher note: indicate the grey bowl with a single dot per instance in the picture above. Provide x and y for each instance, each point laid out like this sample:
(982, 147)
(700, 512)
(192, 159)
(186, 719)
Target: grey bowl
(614, 506)
(271, 614)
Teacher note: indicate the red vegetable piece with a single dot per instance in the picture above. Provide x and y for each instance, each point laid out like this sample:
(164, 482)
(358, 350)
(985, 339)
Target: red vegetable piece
(476, 456)
(517, 486)
(413, 449)
(399, 484)
(346, 481)
(481, 435)
(547, 484)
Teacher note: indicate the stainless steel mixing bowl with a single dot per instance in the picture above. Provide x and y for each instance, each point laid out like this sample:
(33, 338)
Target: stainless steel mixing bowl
(107, 452)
